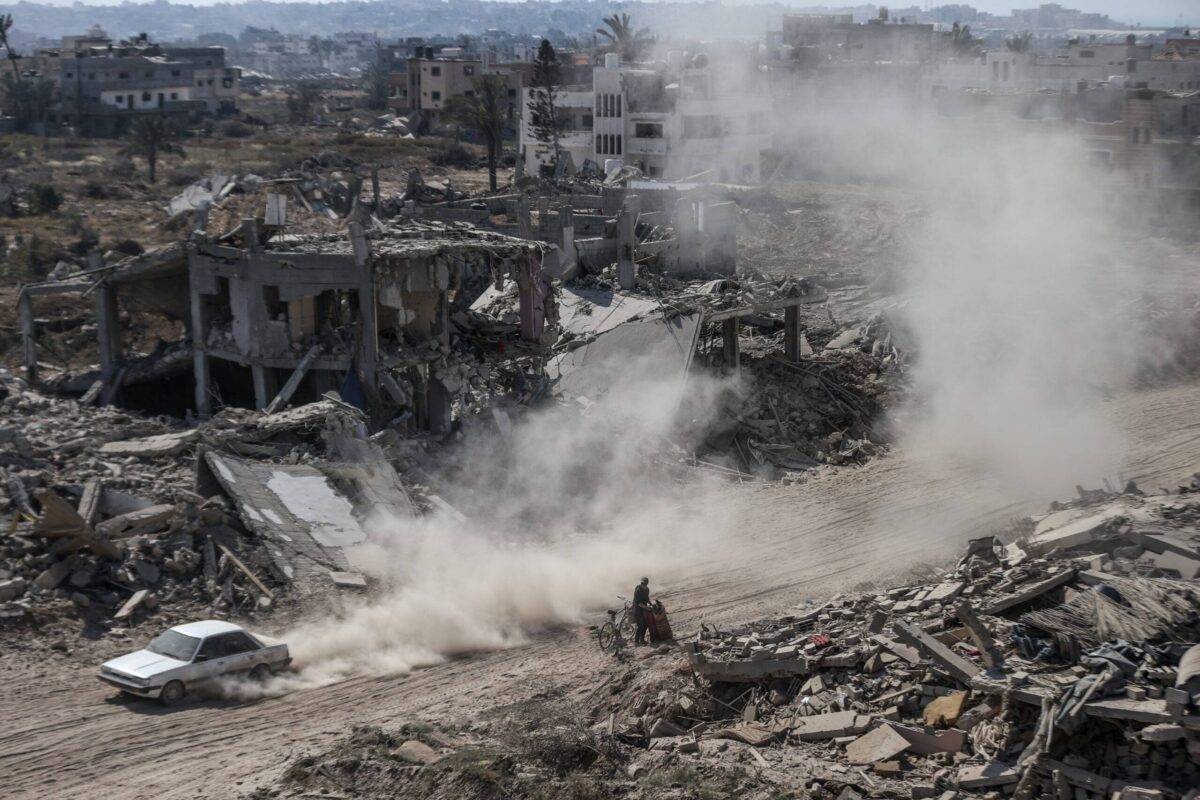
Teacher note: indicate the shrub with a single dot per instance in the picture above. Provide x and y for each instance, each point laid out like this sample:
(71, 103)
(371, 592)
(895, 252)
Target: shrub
(236, 129)
(123, 167)
(452, 154)
(43, 199)
(95, 190)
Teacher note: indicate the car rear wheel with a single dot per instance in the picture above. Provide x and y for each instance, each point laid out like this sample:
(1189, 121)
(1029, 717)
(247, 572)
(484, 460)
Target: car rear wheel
(172, 693)
(260, 673)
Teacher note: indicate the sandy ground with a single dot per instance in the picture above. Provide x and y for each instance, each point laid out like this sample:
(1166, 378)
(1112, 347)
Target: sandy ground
(67, 736)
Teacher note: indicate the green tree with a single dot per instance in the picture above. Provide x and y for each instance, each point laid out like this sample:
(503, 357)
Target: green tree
(377, 80)
(623, 39)
(300, 102)
(1019, 42)
(544, 120)
(962, 41)
(6, 23)
(26, 100)
(152, 136)
(484, 112)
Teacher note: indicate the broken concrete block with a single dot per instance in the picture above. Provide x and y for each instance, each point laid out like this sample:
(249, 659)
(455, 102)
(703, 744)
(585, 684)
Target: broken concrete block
(922, 743)
(164, 445)
(981, 776)
(1065, 529)
(1135, 710)
(141, 522)
(131, 605)
(11, 589)
(880, 744)
(945, 711)
(663, 728)
(944, 657)
(1162, 732)
(416, 752)
(55, 574)
(1032, 593)
(830, 726)
(348, 580)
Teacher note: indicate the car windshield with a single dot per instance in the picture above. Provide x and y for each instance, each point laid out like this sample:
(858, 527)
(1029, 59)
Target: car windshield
(174, 644)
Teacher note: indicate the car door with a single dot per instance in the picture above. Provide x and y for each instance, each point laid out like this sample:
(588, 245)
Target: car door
(210, 658)
(242, 652)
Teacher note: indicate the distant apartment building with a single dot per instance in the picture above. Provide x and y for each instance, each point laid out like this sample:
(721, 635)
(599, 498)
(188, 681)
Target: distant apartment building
(684, 119)
(101, 85)
(285, 57)
(1073, 68)
(817, 38)
(433, 81)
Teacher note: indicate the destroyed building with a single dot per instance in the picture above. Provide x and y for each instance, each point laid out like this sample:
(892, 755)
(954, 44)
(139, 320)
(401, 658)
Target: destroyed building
(267, 320)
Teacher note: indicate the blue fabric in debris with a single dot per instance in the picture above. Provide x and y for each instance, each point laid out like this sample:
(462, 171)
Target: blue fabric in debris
(352, 390)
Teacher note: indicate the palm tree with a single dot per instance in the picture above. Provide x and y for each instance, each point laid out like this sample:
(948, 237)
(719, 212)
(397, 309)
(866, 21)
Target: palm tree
(623, 39)
(485, 111)
(1019, 43)
(151, 136)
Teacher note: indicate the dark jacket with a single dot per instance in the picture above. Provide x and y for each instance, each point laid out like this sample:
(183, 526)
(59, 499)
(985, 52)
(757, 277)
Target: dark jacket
(641, 599)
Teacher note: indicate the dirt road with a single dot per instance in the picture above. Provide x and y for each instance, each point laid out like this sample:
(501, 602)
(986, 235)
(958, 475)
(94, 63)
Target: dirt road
(66, 736)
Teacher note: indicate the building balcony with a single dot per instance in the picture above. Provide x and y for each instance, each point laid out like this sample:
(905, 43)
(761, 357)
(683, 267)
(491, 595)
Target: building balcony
(647, 147)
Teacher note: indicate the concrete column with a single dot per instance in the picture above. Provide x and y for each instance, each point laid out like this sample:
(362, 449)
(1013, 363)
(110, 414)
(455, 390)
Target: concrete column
(729, 340)
(263, 391)
(200, 370)
(375, 188)
(524, 222)
(108, 330)
(626, 241)
(369, 346)
(791, 333)
(28, 346)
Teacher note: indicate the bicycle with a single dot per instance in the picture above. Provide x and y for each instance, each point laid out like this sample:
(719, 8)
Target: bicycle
(613, 634)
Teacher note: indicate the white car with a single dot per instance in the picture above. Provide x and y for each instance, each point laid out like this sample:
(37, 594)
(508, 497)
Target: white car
(186, 655)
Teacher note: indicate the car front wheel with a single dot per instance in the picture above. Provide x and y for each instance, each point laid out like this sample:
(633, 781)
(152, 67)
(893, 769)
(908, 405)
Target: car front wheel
(172, 693)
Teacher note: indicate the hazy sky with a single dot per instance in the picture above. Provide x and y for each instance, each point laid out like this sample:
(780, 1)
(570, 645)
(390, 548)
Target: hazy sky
(1146, 12)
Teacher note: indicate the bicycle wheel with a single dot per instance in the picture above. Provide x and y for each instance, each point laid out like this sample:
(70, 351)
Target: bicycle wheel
(628, 627)
(607, 636)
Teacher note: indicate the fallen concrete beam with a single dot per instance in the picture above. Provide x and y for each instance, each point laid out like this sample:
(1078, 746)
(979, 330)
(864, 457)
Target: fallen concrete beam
(1032, 593)
(960, 668)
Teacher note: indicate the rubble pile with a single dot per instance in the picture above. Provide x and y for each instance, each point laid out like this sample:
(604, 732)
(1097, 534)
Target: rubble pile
(1063, 665)
(823, 409)
(104, 518)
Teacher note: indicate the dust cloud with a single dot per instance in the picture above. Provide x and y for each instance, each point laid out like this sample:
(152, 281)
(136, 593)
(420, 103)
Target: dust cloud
(1020, 315)
(557, 520)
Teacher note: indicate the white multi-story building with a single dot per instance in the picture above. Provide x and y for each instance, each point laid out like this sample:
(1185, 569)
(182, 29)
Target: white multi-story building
(675, 121)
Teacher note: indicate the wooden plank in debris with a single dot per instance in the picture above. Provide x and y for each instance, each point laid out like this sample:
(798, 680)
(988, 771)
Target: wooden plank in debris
(111, 390)
(59, 519)
(246, 571)
(1032, 593)
(293, 382)
(276, 214)
(90, 397)
(960, 668)
(89, 503)
(131, 605)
